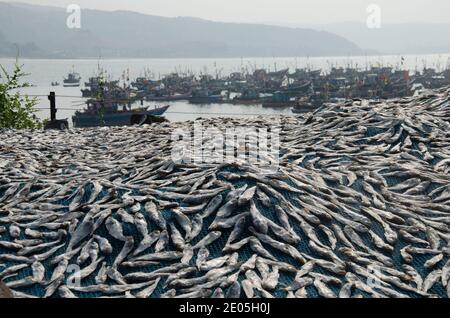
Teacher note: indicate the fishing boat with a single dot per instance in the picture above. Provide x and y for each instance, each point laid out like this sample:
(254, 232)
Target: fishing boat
(168, 98)
(302, 108)
(72, 80)
(104, 114)
(280, 100)
(247, 97)
(55, 84)
(275, 104)
(298, 88)
(312, 103)
(205, 97)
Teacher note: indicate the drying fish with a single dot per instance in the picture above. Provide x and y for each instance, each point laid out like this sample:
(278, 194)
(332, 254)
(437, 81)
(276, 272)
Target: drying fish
(346, 290)
(354, 185)
(155, 215)
(147, 292)
(65, 292)
(431, 279)
(125, 216)
(85, 272)
(212, 206)
(183, 221)
(323, 289)
(176, 237)
(163, 240)
(258, 219)
(431, 263)
(38, 271)
(208, 239)
(147, 242)
(102, 274)
(247, 196)
(14, 231)
(104, 245)
(197, 227)
(84, 230)
(115, 229)
(202, 256)
(127, 248)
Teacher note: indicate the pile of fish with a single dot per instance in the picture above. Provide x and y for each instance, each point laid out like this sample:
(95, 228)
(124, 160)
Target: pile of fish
(358, 207)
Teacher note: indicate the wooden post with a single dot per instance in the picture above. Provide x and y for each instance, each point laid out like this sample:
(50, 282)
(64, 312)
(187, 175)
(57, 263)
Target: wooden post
(52, 99)
(53, 123)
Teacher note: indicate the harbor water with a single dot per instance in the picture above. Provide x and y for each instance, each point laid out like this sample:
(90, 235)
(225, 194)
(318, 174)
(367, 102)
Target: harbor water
(43, 72)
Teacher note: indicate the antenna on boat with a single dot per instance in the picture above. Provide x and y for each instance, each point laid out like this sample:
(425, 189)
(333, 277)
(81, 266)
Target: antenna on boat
(365, 61)
(438, 64)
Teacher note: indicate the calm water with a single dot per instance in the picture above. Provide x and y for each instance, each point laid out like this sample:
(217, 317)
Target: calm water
(43, 72)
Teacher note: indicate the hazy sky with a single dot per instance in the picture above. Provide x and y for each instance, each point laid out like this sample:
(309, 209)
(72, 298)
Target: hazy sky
(275, 11)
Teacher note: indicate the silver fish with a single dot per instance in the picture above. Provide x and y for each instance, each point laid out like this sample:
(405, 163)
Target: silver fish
(126, 250)
(38, 272)
(197, 227)
(431, 279)
(163, 240)
(101, 276)
(323, 289)
(84, 230)
(65, 292)
(147, 292)
(208, 239)
(155, 215)
(115, 229)
(147, 242)
(85, 272)
(431, 263)
(176, 238)
(104, 245)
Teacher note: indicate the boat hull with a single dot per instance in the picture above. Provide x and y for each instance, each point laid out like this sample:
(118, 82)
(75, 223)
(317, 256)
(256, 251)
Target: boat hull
(246, 101)
(71, 85)
(168, 98)
(113, 119)
(279, 104)
(303, 110)
(206, 100)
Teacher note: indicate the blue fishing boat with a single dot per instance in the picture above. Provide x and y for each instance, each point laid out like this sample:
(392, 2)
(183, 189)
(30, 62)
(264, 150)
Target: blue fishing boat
(96, 116)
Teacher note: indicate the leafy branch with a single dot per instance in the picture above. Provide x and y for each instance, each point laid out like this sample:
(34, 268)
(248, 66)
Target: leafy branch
(16, 111)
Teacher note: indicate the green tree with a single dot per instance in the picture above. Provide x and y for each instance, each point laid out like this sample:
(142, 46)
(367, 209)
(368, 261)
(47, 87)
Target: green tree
(16, 111)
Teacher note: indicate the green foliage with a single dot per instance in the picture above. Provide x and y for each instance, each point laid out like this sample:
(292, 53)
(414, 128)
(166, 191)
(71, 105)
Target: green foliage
(16, 111)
